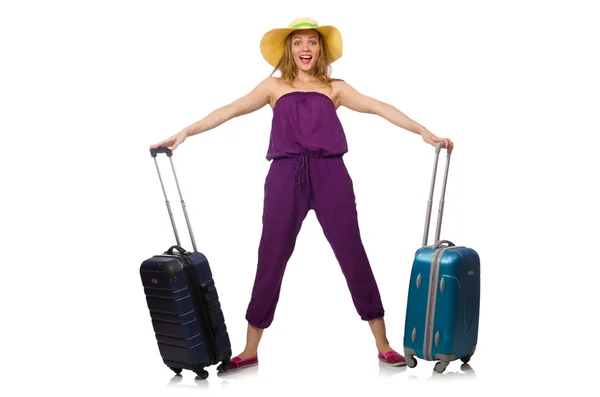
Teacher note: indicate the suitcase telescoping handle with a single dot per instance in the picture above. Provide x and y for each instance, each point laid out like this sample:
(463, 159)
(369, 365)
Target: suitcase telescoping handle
(169, 153)
(438, 148)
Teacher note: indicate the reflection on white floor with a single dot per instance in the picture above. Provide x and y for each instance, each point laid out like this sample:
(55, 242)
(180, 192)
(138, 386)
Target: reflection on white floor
(251, 378)
(188, 379)
(465, 372)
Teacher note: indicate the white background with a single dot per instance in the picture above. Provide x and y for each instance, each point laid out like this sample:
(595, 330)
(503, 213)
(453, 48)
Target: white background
(86, 87)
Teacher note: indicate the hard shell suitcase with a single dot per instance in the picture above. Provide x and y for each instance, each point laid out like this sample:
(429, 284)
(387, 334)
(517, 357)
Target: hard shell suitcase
(183, 302)
(442, 314)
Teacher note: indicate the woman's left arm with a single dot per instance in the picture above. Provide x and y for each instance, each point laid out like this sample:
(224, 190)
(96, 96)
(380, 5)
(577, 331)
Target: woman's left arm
(354, 100)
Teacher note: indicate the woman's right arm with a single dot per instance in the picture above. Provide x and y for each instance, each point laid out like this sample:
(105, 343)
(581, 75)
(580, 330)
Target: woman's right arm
(251, 102)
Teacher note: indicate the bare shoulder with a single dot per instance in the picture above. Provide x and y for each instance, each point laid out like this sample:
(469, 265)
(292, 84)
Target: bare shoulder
(339, 88)
(267, 88)
(351, 98)
(271, 81)
(277, 88)
(268, 84)
(337, 84)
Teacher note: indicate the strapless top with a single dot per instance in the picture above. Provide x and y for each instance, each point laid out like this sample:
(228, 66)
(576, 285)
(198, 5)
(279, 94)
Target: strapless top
(306, 122)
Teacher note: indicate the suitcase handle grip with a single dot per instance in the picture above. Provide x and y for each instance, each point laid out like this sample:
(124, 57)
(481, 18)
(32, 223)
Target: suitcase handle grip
(441, 145)
(181, 250)
(166, 150)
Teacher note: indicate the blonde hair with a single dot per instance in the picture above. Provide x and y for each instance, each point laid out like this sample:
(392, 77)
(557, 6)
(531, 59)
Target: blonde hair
(289, 69)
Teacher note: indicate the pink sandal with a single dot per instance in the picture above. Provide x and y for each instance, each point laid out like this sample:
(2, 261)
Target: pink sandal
(392, 358)
(238, 363)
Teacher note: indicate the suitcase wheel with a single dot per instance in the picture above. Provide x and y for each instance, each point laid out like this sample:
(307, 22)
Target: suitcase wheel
(202, 374)
(440, 366)
(224, 366)
(465, 359)
(176, 370)
(410, 361)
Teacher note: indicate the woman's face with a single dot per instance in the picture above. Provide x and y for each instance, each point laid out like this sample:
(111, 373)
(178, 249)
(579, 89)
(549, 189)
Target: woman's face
(305, 48)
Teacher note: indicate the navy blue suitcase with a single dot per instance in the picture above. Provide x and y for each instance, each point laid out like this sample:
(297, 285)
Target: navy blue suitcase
(184, 306)
(442, 314)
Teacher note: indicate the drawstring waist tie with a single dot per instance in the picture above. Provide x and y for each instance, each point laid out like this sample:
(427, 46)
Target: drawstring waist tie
(302, 165)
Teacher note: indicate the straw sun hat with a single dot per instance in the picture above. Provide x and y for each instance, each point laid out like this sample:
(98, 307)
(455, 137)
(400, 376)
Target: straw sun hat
(273, 42)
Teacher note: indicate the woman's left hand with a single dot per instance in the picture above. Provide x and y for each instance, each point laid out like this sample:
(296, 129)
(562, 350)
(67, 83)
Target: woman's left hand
(433, 139)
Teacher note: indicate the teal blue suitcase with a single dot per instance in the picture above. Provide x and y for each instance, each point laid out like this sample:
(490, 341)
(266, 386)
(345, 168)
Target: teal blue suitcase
(442, 313)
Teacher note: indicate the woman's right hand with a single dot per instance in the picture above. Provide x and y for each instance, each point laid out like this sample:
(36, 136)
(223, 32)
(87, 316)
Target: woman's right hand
(172, 142)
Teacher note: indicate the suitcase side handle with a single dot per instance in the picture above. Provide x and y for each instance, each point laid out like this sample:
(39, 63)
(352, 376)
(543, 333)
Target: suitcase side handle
(438, 147)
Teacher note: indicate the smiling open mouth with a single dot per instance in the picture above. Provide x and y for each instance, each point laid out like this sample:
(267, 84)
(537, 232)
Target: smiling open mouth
(305, 59)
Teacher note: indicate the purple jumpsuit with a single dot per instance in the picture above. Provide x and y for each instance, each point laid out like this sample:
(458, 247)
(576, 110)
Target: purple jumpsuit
(307, 172)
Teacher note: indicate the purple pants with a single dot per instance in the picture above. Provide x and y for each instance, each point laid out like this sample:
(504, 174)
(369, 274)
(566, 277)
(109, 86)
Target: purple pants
(293, 187)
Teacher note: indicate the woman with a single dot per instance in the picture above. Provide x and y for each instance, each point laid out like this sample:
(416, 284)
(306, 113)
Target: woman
(307, 172)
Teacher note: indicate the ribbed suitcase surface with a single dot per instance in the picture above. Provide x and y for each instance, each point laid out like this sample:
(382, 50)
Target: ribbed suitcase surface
(189, 326)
